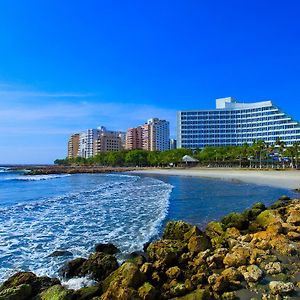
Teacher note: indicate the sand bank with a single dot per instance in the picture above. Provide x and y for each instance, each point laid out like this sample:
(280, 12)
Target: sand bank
(289, 179)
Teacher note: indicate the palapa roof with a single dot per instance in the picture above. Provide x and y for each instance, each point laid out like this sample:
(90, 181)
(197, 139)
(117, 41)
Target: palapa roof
(188, 158)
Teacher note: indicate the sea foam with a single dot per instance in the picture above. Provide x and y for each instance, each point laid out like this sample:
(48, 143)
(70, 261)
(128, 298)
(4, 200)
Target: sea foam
(124, 210)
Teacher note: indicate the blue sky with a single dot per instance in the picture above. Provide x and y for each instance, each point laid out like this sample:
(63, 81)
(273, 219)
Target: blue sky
(70, 65)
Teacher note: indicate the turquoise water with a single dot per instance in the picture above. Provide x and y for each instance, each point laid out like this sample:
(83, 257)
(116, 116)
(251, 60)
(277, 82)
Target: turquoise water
(40, 214)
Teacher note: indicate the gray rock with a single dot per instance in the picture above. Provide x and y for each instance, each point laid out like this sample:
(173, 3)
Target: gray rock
(279, 287)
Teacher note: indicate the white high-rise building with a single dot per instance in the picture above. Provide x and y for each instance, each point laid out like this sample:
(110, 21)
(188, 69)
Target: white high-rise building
(234, 123)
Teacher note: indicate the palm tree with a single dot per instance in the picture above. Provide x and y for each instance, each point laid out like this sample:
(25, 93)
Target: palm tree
(259, 146)
(281, 145)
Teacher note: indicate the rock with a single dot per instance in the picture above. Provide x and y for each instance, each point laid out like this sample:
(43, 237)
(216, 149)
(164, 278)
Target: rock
(37, 284)
(294, 217)
(279, 287)
(99, 265)
(273, 268)
(236, 220)
(268, 217)
(253, 274)
(138, 258)
(147, 291)
(232, 274)
(117, 292)
(20, 292)
(60, 253)
(237, 257)
(146, 268)
(284, 198)
(194, 231)
(175, 230)
(198, 243)
(87, 293)
(199, 294)
(294, 236)
(56, 292)
(72, 268)
(166, 251)
(178, 290)
(173, 272)
(228, 296)
(215, 232)
(106, 248)
(128, 275)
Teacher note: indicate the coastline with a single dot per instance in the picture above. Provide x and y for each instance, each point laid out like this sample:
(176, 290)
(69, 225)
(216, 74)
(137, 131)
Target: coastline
(282, 179)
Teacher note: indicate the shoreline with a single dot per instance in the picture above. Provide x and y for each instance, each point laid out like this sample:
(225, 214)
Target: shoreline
(288, 179)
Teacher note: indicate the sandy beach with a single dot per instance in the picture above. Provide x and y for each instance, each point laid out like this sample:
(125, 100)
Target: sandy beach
(289, 179)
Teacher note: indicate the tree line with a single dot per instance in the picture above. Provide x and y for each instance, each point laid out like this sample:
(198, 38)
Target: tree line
(257, 155)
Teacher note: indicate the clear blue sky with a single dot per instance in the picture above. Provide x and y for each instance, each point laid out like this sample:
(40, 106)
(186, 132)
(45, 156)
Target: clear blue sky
(70, 65)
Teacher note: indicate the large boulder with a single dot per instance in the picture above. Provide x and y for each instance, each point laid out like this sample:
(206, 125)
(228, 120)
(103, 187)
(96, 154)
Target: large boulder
(268, 217)
(238, 256)
(98, 266)
(72, 268)
(20, 292)
(215, 231)
(294, 217)
(236, 220)
(127, 275)
(56, 292)
(37, 284)
(166, 251)
(58, 253)
(253, 273)
(147, 291)
(279, 287)
(87, 293)
(106, 248)
(199, 243)
(175, 230)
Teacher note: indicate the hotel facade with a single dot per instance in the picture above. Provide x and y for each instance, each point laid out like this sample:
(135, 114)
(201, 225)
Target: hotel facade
(234, 123)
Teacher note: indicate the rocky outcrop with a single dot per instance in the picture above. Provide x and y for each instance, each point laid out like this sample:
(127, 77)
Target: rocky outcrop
(98, 266)
(256, 251)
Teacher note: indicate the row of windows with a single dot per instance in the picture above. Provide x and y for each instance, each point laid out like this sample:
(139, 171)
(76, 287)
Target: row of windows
(261, 110)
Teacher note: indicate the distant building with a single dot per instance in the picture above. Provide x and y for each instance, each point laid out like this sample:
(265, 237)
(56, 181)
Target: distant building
(159, 134)
(134, 138)
(173, 144)
(234, 123)
(108, 141)
(73, 145)
(151, 136)
(94, 141)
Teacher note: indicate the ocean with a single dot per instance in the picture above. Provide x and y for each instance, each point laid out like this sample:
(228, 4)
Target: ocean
(43, 213)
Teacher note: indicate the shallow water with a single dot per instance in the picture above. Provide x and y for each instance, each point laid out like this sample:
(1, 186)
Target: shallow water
(40, 214)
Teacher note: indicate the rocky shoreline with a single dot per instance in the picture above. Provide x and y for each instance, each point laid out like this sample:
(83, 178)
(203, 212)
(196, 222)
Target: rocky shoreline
(47, 170)
(249, 255)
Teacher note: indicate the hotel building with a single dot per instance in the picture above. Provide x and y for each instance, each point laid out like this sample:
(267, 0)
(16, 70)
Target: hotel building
(234, 123)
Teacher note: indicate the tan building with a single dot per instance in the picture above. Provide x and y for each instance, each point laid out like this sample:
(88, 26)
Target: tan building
(134, 138)
(73, 145)
(108, 142)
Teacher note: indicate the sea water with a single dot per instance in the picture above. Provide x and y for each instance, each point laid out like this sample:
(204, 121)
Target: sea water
(43, 213)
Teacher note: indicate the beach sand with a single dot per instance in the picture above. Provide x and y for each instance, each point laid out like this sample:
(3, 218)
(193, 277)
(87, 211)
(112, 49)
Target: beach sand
(288, 179)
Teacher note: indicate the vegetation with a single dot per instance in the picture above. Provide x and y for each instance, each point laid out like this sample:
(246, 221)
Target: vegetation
(258, 155)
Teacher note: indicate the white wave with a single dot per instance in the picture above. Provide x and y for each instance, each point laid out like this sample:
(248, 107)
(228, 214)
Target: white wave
(37, 177)
(78, 283)
(124, 210)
